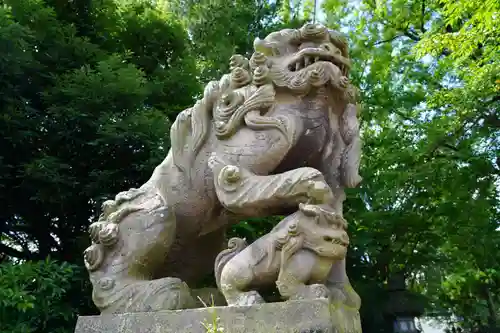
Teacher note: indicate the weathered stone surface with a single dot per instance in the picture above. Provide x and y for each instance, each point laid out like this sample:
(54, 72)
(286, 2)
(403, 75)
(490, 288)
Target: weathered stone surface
(278, 131)
(301, 248)
(305, 316)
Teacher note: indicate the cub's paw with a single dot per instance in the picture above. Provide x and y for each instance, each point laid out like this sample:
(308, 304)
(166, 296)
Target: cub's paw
(249, 298)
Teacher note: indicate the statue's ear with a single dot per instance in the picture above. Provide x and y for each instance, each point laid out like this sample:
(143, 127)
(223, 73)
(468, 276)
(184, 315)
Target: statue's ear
(263, 47)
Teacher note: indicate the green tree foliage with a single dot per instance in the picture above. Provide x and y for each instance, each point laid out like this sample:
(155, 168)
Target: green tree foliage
(429, 203)
(220, 28)
(88, 90)
(33, 297)
(83, 116)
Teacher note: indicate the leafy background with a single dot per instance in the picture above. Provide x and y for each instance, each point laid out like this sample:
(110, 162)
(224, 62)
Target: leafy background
(88, 90)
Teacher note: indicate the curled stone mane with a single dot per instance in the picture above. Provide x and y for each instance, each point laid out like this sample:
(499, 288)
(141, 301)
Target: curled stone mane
(235, 106)
(236, 98)
(242, 97)
(289, 243)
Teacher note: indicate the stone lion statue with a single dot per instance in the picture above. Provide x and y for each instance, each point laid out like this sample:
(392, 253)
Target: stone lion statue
(261, 140)
(300, 250)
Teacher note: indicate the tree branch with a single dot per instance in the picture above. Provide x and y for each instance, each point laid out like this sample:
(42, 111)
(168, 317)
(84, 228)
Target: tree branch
(18, 239)
(422, 17)
(406, 31)
(431, 151)
(413, 248)
(10, 252)
(411, 34)
(387, 40)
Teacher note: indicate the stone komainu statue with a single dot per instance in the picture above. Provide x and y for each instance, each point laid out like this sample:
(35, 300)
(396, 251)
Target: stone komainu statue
(297, 255)
(278, 131)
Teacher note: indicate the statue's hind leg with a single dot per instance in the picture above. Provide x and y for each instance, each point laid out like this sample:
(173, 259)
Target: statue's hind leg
(234, 282)
(129, 242)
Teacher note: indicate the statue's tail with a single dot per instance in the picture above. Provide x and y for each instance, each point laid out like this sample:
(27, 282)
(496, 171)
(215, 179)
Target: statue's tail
(235, 246)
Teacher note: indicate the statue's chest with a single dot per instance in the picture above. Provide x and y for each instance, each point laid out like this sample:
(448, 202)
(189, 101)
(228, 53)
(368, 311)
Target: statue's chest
(313, 132)
(320, 270)
(291, 134)
(258, 150)
(315, 124)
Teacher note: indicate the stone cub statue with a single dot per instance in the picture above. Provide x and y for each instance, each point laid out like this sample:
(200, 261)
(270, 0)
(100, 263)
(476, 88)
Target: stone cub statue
(297, 255)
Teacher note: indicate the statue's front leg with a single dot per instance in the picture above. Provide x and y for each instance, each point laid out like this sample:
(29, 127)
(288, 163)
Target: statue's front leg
(234, 274)
(340, 287)
(245, 193)
(294, 275)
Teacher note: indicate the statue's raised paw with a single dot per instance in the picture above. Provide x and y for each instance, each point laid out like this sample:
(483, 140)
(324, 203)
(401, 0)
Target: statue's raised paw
(319, 290)
(345, 294)
(337, 296)
(319, 192)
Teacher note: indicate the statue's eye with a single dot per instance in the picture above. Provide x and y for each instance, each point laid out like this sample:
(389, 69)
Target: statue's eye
(328, 239)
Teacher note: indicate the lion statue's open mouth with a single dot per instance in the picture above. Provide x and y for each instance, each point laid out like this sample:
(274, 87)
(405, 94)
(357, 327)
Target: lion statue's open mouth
(310, 56)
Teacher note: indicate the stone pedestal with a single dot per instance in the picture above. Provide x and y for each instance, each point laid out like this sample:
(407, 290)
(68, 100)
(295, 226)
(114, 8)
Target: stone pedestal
(305, 316)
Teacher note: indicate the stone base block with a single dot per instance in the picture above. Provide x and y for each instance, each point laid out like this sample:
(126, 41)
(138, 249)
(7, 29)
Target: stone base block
(304, 316)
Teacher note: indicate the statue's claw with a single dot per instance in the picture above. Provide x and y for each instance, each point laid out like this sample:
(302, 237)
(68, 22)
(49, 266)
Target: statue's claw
(249, 298)
(312, 291)
(318, 192)
(345, 294)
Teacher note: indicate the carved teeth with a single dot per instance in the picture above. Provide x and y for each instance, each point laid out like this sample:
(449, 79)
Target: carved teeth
(306, 61)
